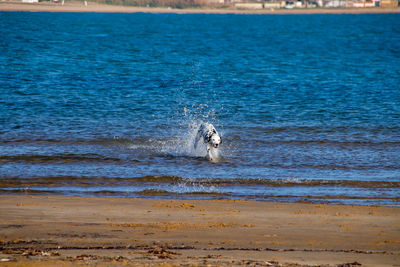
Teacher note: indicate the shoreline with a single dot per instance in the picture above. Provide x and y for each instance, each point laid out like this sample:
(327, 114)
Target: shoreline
(65, 231)
(103, 8)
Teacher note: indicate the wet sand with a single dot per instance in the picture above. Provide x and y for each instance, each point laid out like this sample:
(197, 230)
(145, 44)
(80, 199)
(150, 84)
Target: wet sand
(64, 231)
(77, 6)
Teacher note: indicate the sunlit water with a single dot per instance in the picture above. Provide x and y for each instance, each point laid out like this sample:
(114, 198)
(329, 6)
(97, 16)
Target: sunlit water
(308, 106)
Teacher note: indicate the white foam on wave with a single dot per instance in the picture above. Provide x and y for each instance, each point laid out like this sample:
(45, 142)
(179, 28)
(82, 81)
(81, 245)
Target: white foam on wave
(191, 186)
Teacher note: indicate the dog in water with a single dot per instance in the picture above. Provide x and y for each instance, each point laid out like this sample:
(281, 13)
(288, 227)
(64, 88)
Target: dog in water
(211, 139)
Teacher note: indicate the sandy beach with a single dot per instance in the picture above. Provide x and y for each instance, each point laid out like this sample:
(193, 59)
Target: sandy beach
(75, 6)
(64, 231)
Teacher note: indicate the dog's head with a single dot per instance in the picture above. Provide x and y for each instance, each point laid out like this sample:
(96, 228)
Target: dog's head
(215, 140)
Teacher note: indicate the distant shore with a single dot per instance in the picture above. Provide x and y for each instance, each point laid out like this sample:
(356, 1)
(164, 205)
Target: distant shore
(66, 231)
(102, 8)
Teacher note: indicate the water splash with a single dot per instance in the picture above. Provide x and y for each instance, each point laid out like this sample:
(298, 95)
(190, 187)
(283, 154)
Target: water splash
(177, 141)
(192, 118)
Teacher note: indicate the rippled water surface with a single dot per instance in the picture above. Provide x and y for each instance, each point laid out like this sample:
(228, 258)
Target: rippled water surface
(308, 106)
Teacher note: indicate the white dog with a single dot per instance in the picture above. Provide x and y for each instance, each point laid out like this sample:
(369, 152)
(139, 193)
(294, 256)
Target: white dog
(210, 137)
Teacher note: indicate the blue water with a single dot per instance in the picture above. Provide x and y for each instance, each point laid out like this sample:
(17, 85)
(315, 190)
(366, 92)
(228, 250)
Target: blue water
(308, 106)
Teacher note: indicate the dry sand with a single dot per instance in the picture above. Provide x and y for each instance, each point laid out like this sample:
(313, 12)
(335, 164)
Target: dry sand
(66, 231)
(78, 6)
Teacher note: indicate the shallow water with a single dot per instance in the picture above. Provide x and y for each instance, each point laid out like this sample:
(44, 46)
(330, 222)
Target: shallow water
(308, 106)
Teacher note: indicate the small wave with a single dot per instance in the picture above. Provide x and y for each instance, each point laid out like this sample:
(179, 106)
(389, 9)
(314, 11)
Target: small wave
(30, 191)
(157, 192)
(67, 141)
(58, 158)
(331, 143)
(160, 193)
(202, 184)
(86, 181)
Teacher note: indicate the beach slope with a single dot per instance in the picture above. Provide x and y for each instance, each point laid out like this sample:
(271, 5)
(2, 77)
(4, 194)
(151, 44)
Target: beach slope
(63, 231)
